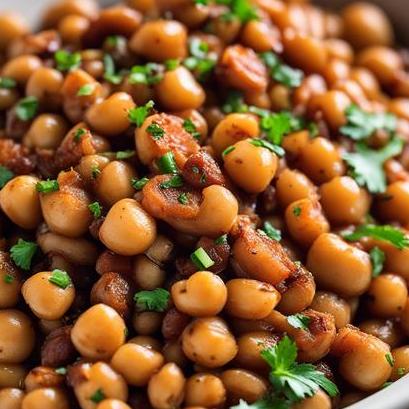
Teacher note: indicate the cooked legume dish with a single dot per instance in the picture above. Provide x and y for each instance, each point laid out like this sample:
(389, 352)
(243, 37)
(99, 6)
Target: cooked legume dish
(204, 204)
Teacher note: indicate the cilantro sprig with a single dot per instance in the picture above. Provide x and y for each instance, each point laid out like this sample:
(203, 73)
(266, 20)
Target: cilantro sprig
(148, 74)
(299, 321)
(110, 74)
(243, 10)
(377, 260)
(67, 61)
(200, 60)
(27, 108)
(22, 253)
(154, 300)
(138, 115)
(261, 143)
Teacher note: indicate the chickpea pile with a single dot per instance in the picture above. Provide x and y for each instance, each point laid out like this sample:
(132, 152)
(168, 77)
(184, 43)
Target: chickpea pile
(198, 197)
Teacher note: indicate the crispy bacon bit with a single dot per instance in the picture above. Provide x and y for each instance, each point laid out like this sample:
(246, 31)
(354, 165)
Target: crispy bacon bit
(201, 170)
(15, 157)
(57, 349)
(109, 262)
(174, 323)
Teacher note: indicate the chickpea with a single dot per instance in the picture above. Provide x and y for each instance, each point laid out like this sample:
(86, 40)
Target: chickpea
(400, 362)
(280, 97)
(147, 274)
(45, 398)
(98, 332)
(387, 295)
(47, 300)
(110, 117)
(362, 358)
(21, 68)
(251, 167)
(181, 83)
(243, 384)
(382, 61)
(10, 282)
(147, 342)
(136, 363)
(367, 80)
(233, 128)
(8, 97)
(334, 305)
(387, 331)
(13, 26)
(192, 15)
(172, 351)
(366, 25)
(98, 377)
(127, 228)
(396, 202)
(47, 131)
(209, 342)
(90, 167)
(72, 28)
(338, 266)
(70, 203)
(17, 336)
(42, 377)
(339, 49)
(160, 40)
(205, 390)
(112, 404)
(336, 71)
(147, 322)
(260, 36)
(319, 400)
(20, 201)
(264, 298)
(202, 295)
(314, 56)
(312, 85)
(321, 160)
(45, 84)
(305, 221)
(166, 388)
(11, 398)
(12, 375)
(343, 201)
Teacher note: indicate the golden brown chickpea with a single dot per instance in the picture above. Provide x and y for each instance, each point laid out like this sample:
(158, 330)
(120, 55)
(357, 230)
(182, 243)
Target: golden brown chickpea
(8, 97)
(320, 400)
(179, 90)
(110, 117)
(45, 398)
(72, 27)
(13, 26)
(98, 332)
(11, 398)
(147, 274)
(339, 49)
(94, 377)
(338, 266)
(42, 377)
(16, 336)
(264, 298)
(243, 384)
(147, 342)
(203, 294)
(20, 201)
(367, 80)
(305, 221)
(114, 182)
(205, 390)
(192, 15)
(250, 167)
(209, 342)
(127, 228)
(21, 68)
(166, 388)
(12, 375)
(334, 305)
(387, 331)
(293, 185)
(280, 97)
(314, 56)
(366, 25)
(336, 71)
(160, 40)
(136, 363)
(112, 404)
(382, 61)
(66, 210)
(321, 160)
(147, 322)
(311, 85)
(362, 358)
(45, 299)
(45, 84)
(234, 127)
(394, 206)
(387, 295)
(90, 167)
(343, 201)
(260, 36)
(172, 351)
(400, 362)
(47, 131)
(400, 107)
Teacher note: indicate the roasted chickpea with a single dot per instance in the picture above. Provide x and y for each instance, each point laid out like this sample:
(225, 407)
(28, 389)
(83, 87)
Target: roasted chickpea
(319, 400)
(387, 331)
(20, 201)
(264, 298)
(209, 342)
(42, 377)
(11, 398)
(260, 36)
(205, 390)
(166, 388)
(338, 266)
(137, 363)
(147, 322)
(339, 49)
(387, 295)
(17, 336)
(45, 398)
(12, 375)
(21, 68)
(366, 25)
(47, 300)
(336, 71)
(160, 40)
(10, 282)
(202, 295)
(250, 166)
(72, 28)
(394, 206)
(400, 362)
(233, 128)
(305, 221)
(13, 26)
(343, 201)
(98, 332)
(362, 358)
(127, 228)
(280, 97)
(112, 404)
(8, 97)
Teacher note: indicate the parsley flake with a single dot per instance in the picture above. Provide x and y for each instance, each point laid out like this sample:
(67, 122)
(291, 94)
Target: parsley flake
(7, 83)
(138, 184)
(96, 209)
(8, 279)
(221, 240)
(148, 74)
(155, 131)
(377, 260)
(47, 186)
(278, 150)
(138, 115)
(243, 10)
(109, 73)
(98, 396)
(190, 127)
(171, 64)
(271, 231)
(67, 61)
(78, 133)
(22, 253)
(5, 176)
(281, 72)
(60, 278)
(183, 198)
(95, 171)
(154, 300)
(173, 182)
(299, 321)
(296, 211)
(27, 108)
(86, 90)
(234, 103)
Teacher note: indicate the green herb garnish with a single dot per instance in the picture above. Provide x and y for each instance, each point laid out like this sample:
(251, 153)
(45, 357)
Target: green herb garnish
(60, 278)
(154, 300)
(124, 154)
(201, 259)
(5, 176)
(299, 321)
(228, 150)
(377, 260)
(167, 164)
(22, 253)
(8, 279)
(183, 198)
(86, 90)
(67, 61)
(221, 240)
(7, 83)
(138, 115)
(27, 108)
(47, 186)
(96, 209)
(389, 359)
(155, 131)
(173, 182)
(281, 72)
(149, 74)
(278, 150)
(109, 73)
(138, 184)
(98, 396)
(297, 211)
(190, 127)
(271, 231)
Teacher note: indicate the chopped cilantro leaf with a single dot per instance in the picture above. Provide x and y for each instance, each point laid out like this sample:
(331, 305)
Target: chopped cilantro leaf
(234, 103)
(109, 73)
(299, 321)
(5, 176)
(183, 198)
(60, 278)
(377, 260)
(7, 83)
(78, 133)
(47, 186)
(297, 211)
(138, 115)
(98, 396)
(154, 300)
(138, 184)
(86, 90)
(271, 231)
(173, 182)
(22, 253)
(67, 61)
(155, 131)
(278, 150)
(221, 240)
(190, 127)
(96, 209)
(8, 278)
(148, 74)
(282, 73)
(27, 108)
